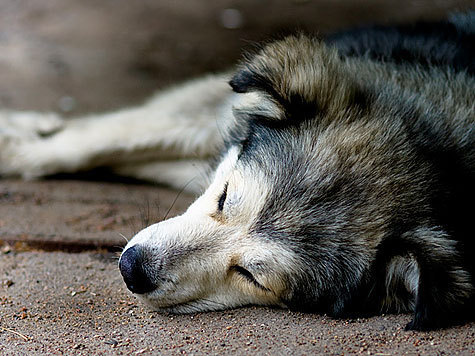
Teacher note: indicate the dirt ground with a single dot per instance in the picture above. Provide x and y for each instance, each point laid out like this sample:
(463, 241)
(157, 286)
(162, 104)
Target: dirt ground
(60, 289)
(63, 303)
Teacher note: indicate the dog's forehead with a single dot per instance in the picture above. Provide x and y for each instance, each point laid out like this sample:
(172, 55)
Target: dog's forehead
(276, 148)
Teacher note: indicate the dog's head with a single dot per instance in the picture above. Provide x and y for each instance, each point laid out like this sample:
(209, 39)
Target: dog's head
(293, 214)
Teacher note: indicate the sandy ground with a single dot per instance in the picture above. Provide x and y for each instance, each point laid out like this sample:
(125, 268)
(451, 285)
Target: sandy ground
(76, 215)
(76, 303)
(60, 289)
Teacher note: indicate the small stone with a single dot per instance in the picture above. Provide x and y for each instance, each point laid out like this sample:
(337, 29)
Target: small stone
(231, 19)
(112, 342)
(66, 103)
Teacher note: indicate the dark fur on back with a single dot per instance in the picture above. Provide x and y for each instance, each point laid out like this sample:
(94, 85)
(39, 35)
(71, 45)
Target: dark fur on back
(375, 138)
(431, 44)
(426, 43)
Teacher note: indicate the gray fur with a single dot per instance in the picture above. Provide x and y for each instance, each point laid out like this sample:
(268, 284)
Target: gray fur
(359, 171)
(342, 186)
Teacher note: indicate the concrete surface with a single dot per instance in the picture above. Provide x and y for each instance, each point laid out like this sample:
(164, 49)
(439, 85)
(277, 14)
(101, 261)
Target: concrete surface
(75, 303)
(77, 215)
(60, 290)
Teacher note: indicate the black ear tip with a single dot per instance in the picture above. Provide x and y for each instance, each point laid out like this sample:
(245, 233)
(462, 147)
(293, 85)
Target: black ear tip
(240, 81)
(237, 88)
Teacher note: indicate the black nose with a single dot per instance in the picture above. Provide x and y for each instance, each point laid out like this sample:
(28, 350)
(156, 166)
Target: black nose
(132, 270)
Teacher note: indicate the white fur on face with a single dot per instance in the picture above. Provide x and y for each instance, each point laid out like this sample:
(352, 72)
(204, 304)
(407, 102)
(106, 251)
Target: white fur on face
(192, 257)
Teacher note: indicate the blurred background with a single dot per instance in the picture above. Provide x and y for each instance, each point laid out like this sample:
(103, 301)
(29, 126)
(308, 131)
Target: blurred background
(84, 56)
(78, 57)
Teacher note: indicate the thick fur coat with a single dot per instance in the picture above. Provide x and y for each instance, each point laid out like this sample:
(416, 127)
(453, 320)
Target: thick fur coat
(341, 176)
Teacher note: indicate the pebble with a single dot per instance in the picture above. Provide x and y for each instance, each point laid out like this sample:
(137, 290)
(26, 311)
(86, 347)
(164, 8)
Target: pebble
(66, 103)
(111, 342)
(8, 282)
(231, 19)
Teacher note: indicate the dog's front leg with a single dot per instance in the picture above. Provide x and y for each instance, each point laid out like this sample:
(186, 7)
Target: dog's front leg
(183, 122)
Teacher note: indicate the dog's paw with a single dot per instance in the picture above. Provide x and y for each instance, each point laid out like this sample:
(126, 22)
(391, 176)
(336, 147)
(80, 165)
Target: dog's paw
(21, 135)
(9, 145)
(428, 317)
(420, 325)
(20, 158)
(417, 325)
(28, 124)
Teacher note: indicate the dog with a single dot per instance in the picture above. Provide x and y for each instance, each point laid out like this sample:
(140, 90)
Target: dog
(339, 176)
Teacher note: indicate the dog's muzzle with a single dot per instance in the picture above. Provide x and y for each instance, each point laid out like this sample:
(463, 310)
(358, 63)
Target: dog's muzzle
(131, 268)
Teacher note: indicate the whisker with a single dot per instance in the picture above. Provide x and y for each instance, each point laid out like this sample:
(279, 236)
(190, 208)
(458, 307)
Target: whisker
(125, 238)
(176, 198)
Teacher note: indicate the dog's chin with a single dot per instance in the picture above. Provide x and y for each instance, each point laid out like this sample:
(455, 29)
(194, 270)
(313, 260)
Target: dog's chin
(185, 307)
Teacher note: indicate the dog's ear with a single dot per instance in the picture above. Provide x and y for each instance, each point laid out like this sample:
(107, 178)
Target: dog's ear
(293, 79)
(257, 104)
(245, 80)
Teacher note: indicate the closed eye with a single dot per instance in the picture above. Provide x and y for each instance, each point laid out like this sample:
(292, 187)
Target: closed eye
(222, 198)
(248, 275)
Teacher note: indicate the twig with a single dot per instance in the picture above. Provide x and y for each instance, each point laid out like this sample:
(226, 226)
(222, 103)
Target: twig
(26, 338)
